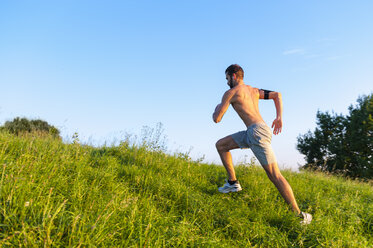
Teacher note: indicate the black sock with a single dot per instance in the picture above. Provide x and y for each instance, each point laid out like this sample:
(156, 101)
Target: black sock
(232, 182)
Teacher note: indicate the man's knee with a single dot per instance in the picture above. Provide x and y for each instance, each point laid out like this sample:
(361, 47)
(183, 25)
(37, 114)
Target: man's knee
(220, 145)
(226, 144)
(273, 171)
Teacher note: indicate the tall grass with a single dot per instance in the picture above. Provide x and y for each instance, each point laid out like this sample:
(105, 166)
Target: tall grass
(71, 195)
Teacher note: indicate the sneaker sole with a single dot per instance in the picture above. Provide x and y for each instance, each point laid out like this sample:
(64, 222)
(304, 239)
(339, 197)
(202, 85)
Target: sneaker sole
(233, 191)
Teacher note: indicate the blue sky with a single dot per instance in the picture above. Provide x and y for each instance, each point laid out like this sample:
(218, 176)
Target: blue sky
(106, 68)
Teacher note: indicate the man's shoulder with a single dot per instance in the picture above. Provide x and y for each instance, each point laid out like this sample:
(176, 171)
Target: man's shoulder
(253, 88)
(239, 90)
(245, 88)
(230, 92)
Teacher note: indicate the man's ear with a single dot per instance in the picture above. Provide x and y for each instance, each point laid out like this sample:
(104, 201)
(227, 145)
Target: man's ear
(234, 76)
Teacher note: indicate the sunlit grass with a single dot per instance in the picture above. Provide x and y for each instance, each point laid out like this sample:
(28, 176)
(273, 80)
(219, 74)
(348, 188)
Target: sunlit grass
(71, 195)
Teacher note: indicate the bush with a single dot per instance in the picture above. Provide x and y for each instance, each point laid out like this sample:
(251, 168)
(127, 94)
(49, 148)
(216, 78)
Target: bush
(23, 125)
(342, 144)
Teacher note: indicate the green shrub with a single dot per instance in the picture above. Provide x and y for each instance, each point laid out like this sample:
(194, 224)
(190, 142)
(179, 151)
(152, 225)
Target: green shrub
(342, 144)
(23, 125)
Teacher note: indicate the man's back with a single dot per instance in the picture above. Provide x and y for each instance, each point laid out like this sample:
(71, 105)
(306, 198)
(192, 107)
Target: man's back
(244, 100)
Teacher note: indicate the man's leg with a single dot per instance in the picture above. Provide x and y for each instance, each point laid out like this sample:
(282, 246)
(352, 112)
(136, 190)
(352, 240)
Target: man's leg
(223, 146)
(282, 185)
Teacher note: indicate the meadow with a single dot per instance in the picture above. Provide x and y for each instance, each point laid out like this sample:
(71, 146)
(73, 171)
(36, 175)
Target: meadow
(54, 194)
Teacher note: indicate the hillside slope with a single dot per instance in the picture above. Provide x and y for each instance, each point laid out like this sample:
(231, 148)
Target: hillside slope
(71, 195)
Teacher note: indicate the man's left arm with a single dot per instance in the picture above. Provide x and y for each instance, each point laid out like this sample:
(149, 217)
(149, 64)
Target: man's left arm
(222, 107)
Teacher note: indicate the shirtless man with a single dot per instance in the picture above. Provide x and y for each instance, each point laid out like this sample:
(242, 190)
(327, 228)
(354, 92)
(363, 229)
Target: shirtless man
(244, 100)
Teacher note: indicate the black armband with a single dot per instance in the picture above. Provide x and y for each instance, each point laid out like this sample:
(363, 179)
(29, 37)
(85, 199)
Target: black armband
(266, 93)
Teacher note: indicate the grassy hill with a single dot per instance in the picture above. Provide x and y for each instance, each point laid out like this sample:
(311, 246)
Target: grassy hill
(70, 195)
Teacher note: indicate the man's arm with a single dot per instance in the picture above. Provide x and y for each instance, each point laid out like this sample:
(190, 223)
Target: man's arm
(277, 98)
(222, 107)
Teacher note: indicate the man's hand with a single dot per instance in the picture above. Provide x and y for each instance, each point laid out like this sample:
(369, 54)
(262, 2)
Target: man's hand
(277, 123)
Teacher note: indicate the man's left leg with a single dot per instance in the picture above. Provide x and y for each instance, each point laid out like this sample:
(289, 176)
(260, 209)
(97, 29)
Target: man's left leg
(224, 146)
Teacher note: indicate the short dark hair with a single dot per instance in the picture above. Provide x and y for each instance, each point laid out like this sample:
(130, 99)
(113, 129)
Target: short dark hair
(236, 69)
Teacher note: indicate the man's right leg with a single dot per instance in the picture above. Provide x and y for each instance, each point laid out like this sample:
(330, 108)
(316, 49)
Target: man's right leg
(274, 174)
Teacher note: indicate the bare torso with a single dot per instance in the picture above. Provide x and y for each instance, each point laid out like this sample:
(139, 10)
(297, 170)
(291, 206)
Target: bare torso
(244, 100)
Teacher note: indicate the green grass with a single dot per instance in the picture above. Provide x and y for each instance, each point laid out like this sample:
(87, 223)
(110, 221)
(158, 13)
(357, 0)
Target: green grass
(70, 195)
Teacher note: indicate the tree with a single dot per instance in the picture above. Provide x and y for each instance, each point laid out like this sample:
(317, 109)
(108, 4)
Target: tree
(360, 137)
(342, 144)
(23, 125)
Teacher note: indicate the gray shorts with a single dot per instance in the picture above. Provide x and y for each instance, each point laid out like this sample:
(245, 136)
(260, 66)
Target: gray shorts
(258, 138)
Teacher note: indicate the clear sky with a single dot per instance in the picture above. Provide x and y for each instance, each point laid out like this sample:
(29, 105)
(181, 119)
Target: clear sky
(106, 68)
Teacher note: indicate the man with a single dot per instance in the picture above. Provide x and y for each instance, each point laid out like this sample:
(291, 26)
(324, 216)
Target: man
(244, 100)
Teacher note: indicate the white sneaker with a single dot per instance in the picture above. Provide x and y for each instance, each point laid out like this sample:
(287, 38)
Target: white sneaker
(307, 218)
(230, 188)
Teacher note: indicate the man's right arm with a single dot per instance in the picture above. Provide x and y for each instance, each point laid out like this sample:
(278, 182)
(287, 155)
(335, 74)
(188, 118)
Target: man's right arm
(277, 98)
